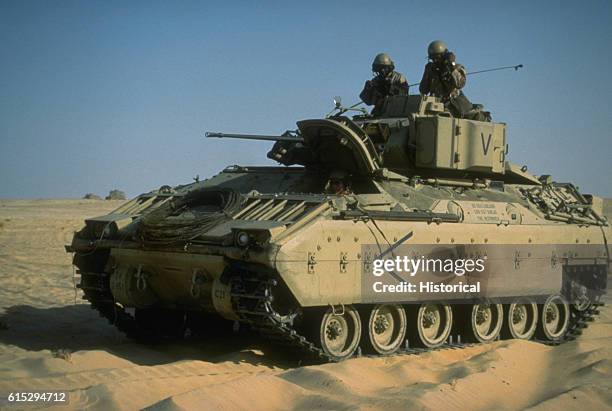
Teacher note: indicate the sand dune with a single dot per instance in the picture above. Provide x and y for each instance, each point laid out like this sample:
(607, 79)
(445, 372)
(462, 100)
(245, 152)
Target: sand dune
(51, 340)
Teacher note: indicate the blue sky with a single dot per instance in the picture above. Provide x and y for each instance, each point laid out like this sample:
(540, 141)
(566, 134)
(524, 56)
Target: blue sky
(96, 95)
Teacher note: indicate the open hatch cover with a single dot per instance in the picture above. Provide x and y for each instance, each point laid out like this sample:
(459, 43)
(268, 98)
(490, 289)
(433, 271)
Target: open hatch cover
(339, 143)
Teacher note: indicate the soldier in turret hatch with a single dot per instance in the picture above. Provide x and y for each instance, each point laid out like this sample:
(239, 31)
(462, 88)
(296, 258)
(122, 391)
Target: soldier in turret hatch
(386, 82)
(443, 76)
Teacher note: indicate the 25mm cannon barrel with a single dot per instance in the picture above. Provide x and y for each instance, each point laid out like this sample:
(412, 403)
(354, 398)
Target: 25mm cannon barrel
(254, 137)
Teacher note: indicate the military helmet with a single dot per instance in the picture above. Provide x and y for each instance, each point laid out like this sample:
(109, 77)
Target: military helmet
(436, 48)
(382, 60)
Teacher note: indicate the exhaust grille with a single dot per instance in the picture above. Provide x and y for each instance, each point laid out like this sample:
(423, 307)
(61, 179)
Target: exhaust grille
(141, 204)
(274, 209)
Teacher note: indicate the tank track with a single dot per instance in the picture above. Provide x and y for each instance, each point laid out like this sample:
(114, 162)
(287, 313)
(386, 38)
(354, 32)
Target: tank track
(252, 300)
(96, 290)
(579, 320)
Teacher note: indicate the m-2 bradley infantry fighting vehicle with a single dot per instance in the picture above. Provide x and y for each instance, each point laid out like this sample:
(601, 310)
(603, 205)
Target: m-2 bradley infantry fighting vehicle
(289, 251)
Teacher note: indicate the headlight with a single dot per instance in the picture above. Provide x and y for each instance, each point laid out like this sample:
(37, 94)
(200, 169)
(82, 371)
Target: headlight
(242, 239)
(108, 231)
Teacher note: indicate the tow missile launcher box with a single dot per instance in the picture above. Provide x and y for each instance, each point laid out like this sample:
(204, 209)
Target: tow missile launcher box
(441, 141)
(455, 144)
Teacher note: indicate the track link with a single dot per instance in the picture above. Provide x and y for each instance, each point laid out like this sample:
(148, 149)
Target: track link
(252, 300)
(579, 320)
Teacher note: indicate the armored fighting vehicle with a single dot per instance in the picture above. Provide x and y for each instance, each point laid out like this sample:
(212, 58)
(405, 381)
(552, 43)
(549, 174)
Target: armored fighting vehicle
(289, 250)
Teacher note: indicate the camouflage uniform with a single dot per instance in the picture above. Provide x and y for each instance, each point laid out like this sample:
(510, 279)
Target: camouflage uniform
(379, 87)
(443, 79)
(387, 82)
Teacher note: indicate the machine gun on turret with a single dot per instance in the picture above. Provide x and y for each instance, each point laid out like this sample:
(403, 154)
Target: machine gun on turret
(289, 147)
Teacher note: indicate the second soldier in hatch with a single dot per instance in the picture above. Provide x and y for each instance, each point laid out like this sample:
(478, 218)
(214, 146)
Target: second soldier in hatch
(386, 82)
(443, 76)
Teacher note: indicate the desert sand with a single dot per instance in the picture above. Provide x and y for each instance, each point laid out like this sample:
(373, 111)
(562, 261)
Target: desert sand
(51, 340)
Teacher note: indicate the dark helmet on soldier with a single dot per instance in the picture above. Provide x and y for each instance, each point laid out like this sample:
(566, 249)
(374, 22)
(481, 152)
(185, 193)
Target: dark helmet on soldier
(382, 64)
(436, 49)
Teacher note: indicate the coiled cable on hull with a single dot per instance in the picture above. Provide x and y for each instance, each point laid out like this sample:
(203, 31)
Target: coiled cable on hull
(187, 217)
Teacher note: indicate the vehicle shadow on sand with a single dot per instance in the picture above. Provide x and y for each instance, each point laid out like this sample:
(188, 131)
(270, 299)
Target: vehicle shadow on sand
(72, 328)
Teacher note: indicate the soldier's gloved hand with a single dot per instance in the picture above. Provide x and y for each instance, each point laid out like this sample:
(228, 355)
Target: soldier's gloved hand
(446, 77)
